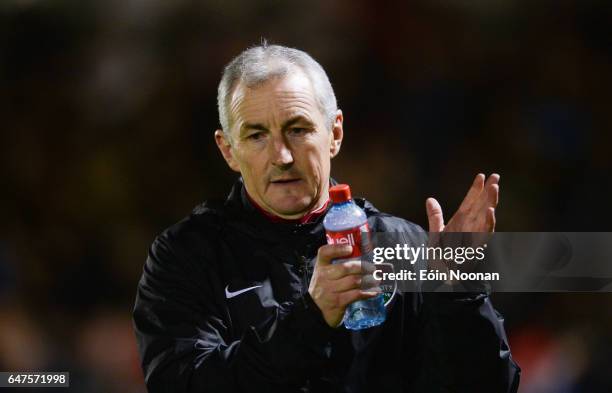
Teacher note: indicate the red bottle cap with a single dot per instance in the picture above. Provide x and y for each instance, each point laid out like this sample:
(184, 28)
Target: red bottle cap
(340, 193)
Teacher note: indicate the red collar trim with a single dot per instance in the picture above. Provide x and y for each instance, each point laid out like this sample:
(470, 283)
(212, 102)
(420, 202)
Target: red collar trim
(309, 217)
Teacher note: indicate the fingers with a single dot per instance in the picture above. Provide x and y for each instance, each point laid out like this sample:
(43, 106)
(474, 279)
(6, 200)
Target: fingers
(349, 282)
(490, 221)
(493, 195)
(491, 189)
(339, 270)
(488, 203)
(477, 211)
(434, 215)
(473, 193)
(490, 195)
(353, 281)
(330, 252)
(334, 286)
(493, 179)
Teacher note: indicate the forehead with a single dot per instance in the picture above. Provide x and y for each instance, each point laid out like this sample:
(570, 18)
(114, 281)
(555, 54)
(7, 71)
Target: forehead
(274, 100)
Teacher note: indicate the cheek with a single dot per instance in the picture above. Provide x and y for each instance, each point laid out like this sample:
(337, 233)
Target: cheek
(252, 166)
(318, 163)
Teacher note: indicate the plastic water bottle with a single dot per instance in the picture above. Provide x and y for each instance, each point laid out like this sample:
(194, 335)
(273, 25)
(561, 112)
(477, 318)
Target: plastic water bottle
(346, 223)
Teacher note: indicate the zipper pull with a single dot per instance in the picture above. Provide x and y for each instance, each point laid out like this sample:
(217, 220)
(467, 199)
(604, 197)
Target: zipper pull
(304, 272)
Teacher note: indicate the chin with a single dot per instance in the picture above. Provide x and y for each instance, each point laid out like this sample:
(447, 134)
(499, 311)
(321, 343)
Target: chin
(291, 206)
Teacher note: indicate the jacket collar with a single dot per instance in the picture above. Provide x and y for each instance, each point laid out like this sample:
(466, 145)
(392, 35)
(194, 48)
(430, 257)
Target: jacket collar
(308, 217)
(238, 211)
(241, 209)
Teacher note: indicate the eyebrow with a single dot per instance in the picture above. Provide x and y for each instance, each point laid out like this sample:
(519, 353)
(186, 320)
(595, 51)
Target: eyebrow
(295, 119)
(286, 124)
(252, 126)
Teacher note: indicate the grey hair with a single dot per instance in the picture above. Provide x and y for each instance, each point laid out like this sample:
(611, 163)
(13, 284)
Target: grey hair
(261, 63)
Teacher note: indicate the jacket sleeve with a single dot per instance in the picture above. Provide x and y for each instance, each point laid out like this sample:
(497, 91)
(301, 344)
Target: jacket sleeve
(183, 334)
(464, 347)
(461, 344)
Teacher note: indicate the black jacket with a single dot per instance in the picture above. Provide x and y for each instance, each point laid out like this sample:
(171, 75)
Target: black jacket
(197, 332)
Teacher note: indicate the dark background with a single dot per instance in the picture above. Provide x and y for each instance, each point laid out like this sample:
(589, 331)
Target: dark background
(107, 113)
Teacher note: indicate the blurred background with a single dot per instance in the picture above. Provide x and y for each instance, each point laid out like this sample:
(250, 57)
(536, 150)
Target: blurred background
(107, 113)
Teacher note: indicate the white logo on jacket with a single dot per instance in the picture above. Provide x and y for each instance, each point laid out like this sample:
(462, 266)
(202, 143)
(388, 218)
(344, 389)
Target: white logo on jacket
(230, 295)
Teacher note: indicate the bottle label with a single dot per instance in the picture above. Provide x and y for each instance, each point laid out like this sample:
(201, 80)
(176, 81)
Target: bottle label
(358, 237)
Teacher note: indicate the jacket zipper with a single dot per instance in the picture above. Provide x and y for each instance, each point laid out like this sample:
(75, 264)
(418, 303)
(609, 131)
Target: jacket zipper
(304, 272)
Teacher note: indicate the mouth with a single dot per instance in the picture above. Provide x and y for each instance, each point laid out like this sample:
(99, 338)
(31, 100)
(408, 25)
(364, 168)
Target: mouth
(285, 181)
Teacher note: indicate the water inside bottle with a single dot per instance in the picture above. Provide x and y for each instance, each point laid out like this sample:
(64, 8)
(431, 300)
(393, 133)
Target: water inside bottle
(364, 314)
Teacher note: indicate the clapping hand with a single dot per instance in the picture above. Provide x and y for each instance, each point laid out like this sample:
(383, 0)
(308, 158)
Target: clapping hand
(476, 213)
(475, 219)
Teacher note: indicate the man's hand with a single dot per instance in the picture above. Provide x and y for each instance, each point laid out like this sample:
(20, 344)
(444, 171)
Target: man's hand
(334, 287)
(476, 213)
(475, 216)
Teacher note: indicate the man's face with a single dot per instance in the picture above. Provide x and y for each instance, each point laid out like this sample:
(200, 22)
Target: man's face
(282, 144)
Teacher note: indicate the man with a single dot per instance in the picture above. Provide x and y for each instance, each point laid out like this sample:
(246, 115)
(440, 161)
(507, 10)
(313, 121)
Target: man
(241, 296)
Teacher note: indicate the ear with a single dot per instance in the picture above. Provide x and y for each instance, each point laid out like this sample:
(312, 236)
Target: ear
(336, 135)
(226, 150)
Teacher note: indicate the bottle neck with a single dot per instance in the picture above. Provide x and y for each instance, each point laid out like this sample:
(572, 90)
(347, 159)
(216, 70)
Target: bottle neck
(342, 203)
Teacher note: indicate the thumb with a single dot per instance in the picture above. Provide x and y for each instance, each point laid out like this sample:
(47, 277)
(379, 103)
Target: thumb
(434, 215)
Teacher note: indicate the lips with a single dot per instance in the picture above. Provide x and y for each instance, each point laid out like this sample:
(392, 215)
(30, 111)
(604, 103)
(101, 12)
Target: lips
(284, 181)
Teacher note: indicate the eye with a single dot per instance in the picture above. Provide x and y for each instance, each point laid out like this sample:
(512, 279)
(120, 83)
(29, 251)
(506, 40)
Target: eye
(298, 130)
(255, 136)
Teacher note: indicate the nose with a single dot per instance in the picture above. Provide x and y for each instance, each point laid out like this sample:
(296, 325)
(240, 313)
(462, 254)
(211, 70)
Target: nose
(281, 153)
